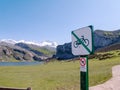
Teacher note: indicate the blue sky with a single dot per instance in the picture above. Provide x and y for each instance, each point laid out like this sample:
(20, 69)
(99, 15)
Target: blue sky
(40, 20)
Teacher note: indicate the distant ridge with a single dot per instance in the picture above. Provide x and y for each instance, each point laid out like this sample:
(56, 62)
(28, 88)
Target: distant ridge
(109, 48)
(43, 43)
(11, 50)
(105, 38)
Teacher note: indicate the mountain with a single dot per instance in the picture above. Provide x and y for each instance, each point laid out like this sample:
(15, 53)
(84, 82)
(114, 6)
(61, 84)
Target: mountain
(103, 41)
(26, 51)
(112, 47)
(64, 52)
(105, 38)
(41, 44)
(39, 50)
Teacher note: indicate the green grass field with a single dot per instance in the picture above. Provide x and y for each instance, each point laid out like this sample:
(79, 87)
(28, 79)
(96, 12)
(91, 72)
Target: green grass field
(55, 75)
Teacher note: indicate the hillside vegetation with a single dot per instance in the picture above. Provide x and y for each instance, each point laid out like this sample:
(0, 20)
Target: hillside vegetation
(56, 75)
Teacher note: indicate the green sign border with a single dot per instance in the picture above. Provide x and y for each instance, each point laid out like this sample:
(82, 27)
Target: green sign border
(92, 28)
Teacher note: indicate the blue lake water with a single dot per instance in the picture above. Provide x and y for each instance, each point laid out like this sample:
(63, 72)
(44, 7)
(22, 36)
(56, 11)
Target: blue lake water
(19, 63)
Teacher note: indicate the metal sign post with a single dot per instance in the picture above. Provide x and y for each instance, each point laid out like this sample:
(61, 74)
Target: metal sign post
(84, 82)
(82, 44)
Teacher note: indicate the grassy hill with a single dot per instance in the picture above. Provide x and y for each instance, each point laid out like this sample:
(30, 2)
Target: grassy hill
(43, 51)
(57, 75)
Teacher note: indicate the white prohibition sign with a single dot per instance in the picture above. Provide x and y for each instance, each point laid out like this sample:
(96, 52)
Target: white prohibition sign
(82, 41)
(83, 66)
(82, 61)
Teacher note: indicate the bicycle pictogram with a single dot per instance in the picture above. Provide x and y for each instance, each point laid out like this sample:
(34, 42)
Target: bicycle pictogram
(77, 43)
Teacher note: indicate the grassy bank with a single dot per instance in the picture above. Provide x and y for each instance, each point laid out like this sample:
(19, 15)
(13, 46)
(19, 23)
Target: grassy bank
(100, 71)
(55, 75)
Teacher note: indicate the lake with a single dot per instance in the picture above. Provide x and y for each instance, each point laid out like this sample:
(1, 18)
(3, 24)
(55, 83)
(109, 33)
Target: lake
(19, 63)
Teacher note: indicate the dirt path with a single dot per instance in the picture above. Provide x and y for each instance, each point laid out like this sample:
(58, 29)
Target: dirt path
(113, 83)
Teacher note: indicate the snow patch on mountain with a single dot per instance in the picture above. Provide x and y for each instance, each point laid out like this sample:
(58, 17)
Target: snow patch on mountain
(28, 42)
(44, 43)
(48, 43)
(10, 41)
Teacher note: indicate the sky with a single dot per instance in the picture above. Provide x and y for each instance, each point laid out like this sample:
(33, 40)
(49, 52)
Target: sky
(53, 20)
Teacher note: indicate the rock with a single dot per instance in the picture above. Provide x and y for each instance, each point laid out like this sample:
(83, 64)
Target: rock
(28, 56)
(7, 51)
(37, 58)
(64, 51)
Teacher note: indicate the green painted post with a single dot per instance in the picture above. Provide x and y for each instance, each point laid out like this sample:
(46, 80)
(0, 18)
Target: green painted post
(84, 81)
(79, 47)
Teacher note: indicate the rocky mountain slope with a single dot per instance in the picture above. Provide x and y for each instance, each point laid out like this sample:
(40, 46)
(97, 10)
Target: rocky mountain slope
(112, 47)
(103, 41)
(105, 38)
(10, 50)
(64, 51)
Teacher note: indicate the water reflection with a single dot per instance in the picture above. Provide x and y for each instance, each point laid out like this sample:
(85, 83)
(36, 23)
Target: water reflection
(19, 63)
